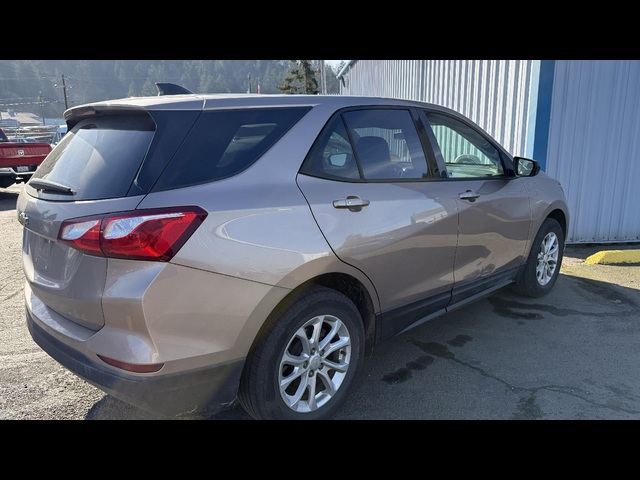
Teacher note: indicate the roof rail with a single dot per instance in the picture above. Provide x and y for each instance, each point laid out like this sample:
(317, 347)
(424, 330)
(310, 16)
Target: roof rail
(171, 89)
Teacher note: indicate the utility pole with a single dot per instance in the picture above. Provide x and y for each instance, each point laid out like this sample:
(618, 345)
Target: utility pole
(249, 78)
(42, 109)
(64, 89)
(323, 78)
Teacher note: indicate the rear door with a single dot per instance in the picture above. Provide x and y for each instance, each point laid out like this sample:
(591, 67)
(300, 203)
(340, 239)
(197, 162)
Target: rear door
(98, 161)
(384, 210)
(494, 208)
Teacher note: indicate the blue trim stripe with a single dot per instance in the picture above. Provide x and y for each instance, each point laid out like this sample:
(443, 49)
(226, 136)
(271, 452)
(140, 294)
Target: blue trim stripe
(543, 111)
(533, 109)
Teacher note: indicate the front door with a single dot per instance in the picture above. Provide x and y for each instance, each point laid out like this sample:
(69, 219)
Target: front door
(380, 207)
(494, 210)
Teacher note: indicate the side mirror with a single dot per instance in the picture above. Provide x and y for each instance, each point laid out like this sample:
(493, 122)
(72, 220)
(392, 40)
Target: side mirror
(338, 160)
(525, 167)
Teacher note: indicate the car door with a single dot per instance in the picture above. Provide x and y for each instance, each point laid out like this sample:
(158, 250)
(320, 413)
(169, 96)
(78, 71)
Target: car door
(494, 208)
(384, 210)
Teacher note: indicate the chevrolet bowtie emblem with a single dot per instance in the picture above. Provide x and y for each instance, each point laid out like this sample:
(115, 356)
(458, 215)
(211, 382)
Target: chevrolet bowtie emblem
(24, 219)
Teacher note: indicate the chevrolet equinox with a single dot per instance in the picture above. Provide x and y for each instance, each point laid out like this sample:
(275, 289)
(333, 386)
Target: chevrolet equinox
(184, 251)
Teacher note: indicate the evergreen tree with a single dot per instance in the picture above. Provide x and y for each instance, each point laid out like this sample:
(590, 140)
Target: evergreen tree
(301, 79)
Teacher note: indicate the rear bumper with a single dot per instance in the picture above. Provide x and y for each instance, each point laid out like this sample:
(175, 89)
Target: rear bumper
(10, 172)
(199, 392)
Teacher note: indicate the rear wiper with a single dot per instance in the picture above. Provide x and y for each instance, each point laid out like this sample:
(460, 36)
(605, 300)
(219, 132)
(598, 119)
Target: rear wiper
(47, 185)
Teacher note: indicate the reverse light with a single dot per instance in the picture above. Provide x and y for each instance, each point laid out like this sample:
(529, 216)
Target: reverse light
(152, 235)
(83, 235)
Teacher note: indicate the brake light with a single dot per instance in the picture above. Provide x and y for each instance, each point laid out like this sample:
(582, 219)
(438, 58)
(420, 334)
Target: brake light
(154, 235)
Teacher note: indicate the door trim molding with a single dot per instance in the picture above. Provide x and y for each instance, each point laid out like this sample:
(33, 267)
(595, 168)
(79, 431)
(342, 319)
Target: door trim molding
(397, 320)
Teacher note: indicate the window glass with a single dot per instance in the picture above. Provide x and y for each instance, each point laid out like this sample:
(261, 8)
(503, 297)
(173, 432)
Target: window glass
(223, 143)
(466, 153)
(99, 157)
(387, 144)
(333, 156)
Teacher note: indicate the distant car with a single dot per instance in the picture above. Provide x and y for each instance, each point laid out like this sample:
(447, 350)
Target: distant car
(184, 250)
(20, 159)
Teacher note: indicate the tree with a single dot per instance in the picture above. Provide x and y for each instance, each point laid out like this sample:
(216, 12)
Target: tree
(22, 81)
(301, 79)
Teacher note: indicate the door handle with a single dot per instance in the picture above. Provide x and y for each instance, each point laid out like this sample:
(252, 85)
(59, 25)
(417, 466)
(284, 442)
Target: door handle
(469, 195)
(351, 202)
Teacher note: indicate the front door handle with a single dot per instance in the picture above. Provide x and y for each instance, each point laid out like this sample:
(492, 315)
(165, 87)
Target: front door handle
(469, 195)
(352, 202)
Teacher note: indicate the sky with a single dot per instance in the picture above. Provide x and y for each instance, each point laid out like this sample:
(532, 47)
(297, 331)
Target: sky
(335, 63)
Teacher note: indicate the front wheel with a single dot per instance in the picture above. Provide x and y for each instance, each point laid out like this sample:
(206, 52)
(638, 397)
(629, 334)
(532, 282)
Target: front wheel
(305, 361)
(545, 258)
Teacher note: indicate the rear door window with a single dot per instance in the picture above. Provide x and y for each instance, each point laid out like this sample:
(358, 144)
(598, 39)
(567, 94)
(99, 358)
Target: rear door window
(387, 144)
(226, 142)
(99, 157)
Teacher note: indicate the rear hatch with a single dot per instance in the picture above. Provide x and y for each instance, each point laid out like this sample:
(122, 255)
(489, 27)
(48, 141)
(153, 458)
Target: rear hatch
(91, 172)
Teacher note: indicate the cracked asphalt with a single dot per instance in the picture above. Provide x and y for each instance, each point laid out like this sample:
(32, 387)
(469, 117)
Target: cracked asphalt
(574, 354)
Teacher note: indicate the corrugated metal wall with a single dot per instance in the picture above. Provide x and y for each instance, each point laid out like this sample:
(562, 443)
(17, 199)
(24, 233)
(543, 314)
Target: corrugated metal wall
(452, 144)
(594, 147)
(493, 93)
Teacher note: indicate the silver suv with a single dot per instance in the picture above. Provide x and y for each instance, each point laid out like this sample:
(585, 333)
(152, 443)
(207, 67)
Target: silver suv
(184, 251)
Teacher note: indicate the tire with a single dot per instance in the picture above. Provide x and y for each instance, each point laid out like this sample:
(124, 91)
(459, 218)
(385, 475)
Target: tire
(528, 283)
(260, 393)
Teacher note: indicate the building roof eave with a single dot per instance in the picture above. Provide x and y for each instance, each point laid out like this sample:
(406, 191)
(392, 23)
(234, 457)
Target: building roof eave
(346, 68)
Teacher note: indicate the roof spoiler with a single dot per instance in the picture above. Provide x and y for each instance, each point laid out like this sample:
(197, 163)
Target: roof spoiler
(171, 89)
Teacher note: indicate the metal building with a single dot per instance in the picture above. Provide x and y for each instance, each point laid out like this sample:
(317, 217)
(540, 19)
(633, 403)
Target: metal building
(579, 118)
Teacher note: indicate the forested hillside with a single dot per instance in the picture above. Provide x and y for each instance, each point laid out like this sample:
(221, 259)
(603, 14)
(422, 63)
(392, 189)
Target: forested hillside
(22, 81)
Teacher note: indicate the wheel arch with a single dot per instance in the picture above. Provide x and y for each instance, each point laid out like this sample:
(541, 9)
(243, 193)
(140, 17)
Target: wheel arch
(363, 296)
(559, 216)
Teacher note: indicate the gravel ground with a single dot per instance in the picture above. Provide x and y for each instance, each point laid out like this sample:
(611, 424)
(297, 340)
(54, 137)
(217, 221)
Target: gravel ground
(571, 355)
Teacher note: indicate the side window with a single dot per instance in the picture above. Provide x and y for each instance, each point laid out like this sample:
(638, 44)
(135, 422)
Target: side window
(333, 156)
(466, 153)
(387, 144)
(223, 143)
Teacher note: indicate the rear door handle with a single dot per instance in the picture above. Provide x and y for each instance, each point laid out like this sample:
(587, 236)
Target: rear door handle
(469, 195)
(351, 202)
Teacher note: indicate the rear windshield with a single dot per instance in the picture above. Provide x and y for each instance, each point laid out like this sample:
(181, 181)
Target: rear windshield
(224, 143)
(100, 157)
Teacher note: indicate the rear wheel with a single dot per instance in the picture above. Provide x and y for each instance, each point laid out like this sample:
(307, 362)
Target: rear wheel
(306, 360)
(545, 258)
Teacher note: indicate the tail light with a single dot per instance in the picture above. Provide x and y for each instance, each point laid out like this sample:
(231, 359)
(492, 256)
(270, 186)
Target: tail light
(154, 235)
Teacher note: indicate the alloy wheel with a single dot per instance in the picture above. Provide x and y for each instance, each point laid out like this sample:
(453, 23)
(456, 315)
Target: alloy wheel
(314, 364)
